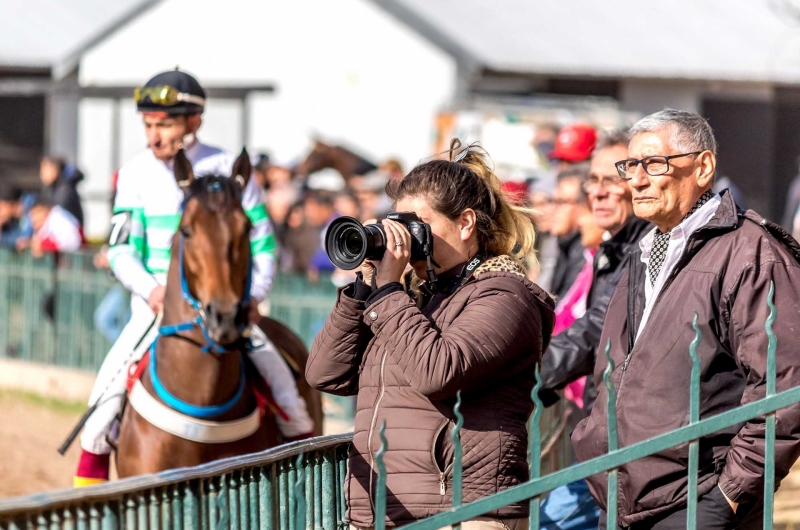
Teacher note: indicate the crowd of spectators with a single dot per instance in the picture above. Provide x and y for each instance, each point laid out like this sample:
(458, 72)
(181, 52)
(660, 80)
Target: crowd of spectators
(49, 219)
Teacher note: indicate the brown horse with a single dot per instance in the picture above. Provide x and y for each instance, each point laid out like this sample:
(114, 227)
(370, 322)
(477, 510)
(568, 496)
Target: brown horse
(323, 156)
(201, 351)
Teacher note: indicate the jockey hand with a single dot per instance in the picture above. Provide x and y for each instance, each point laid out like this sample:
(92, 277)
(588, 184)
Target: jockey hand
(156, 299)
(395, 258)
(253, 314)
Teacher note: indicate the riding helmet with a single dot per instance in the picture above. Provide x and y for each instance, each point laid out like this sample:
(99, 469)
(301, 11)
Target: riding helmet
(173, 92)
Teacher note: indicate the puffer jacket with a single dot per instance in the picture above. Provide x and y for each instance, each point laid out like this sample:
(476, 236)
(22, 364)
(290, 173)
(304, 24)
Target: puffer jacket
(723, 281)
(406, 365)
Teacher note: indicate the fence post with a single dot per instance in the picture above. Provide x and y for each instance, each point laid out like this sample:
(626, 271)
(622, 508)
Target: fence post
(611, 412)
(299, 495)
(535, 448)
(694, 417)
(380, 500)
(769, 449)
(458, 462)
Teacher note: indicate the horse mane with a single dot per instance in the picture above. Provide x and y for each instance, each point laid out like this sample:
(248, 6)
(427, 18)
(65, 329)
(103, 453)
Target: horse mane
(215, 192)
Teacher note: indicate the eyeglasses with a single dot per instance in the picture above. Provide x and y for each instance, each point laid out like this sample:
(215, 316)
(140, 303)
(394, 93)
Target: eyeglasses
(653, 165)
(165, 95)
(609, 182)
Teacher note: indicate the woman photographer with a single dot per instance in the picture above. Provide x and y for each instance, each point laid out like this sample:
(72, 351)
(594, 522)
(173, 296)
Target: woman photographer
(406, 344)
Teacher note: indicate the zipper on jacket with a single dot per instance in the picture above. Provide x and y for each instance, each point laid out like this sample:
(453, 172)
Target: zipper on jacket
(381, 391)
(442, 473)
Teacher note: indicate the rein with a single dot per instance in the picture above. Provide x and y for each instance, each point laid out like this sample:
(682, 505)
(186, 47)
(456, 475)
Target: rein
(210, 347)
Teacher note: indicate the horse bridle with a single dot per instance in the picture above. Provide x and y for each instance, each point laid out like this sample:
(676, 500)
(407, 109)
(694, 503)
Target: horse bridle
(200, 321)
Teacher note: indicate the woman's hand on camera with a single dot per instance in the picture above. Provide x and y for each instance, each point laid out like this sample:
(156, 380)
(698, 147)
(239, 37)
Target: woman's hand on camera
(398, 251)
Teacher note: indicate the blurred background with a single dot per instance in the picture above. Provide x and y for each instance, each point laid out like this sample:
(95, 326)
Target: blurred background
(388, 83)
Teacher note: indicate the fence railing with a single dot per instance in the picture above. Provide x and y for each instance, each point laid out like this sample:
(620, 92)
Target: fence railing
(47, 308)
(253, 491)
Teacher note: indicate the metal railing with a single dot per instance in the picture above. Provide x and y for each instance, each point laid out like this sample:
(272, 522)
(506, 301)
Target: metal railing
(47, 308)
(253, 491)
(538, 485)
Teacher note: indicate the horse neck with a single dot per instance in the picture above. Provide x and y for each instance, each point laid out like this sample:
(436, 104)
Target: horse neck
(185, 370)
(343, 161)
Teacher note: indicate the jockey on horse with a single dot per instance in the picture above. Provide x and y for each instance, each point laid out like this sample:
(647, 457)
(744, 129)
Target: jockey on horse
(147, 210)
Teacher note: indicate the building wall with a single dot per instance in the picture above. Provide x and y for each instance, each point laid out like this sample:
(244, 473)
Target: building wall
(365, 80)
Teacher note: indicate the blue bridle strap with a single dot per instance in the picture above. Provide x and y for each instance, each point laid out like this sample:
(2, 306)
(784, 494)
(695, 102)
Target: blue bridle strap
(187, 408)
(210, 347)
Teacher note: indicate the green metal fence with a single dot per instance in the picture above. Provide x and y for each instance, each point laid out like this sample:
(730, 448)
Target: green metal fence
(254, 491)
(47, 308)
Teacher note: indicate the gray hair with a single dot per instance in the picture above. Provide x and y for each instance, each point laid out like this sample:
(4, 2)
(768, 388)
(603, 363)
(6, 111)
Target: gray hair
(612, 138)
(688, 131)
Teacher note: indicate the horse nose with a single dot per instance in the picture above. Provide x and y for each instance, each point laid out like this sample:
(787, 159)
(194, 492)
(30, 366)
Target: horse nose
(221, 321)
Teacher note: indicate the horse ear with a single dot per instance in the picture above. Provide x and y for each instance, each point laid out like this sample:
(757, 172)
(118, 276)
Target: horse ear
(242, 168)
(184, 174)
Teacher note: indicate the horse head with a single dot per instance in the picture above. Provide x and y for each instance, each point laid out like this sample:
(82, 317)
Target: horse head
(213, 246)
(321, 157)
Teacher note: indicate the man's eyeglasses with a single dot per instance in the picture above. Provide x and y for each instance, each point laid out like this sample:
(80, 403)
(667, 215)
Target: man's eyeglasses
(653, 165)
(609, 182)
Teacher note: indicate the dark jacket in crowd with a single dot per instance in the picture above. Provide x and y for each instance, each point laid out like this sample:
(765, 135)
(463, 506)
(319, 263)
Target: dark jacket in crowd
(406, 365)
(724, 275)
(792, 204)
(63, 192)
(569, 264)
(572, 352)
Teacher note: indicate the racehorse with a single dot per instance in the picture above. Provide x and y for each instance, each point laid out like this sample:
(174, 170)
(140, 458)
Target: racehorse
(200, 359)
(323, 156)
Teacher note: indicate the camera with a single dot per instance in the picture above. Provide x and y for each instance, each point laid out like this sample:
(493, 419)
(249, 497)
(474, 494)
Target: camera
(348, 243)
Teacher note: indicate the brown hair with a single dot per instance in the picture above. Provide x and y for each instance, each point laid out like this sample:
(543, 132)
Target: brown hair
(467, 181)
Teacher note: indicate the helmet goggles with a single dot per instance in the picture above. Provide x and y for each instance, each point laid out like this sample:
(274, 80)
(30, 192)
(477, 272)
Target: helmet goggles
(165, 96)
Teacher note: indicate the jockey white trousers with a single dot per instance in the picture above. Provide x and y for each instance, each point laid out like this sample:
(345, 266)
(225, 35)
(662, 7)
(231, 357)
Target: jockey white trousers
(109, 387)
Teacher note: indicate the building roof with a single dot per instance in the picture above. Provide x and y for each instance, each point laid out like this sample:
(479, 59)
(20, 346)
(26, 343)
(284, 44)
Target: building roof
(730, 40)
(53, 33)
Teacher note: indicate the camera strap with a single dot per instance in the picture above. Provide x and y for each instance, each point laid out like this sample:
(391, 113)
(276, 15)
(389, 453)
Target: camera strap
(469, 269)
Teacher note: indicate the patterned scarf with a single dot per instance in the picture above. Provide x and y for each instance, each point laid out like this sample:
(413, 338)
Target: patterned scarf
(661, 240)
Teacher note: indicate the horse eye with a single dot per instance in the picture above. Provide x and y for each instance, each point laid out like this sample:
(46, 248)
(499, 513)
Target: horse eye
(185, 232)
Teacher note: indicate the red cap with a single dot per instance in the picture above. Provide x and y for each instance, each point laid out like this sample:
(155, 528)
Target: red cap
(575, 143)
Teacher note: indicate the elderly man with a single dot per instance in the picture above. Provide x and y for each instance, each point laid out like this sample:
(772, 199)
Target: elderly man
(571, 354)
(707, 256)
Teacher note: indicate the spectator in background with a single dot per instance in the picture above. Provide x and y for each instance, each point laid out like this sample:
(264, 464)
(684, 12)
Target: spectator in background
(574, 144)
(392, 168)
(371, 193)
(567, 200)
(347, 204)
(114, 309)
(540, 198)
(544, 141)
(14, 217)
(54, 229)
(319, 213)
(59, 185)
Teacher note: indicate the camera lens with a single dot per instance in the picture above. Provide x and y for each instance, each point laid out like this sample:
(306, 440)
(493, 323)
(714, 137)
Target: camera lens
(353, 242)
(348, 243)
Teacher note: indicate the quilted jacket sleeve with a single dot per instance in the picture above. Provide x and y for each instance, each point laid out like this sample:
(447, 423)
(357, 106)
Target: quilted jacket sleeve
(742, 480)
(338, 348)
(500, 323)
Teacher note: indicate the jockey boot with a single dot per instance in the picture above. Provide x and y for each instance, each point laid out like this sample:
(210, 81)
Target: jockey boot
(92, 469)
